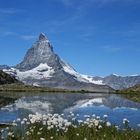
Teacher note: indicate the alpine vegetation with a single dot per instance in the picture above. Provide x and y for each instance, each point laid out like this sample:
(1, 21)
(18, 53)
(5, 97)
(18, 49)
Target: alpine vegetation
(61, 127)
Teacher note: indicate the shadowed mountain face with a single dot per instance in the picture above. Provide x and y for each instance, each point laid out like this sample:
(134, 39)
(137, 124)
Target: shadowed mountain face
(6, 78)
(41, 52)
(135, 89)
(42, 67)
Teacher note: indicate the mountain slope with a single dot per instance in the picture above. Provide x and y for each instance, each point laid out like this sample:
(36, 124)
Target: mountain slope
(115, 81)
(4, 67)
(6, 78)
(119, 82)
(42, 67)
(132, 93)
(134, 89)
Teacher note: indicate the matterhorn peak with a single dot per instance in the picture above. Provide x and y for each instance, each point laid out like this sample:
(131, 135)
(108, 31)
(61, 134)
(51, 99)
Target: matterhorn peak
(42, 37)
(41, 66)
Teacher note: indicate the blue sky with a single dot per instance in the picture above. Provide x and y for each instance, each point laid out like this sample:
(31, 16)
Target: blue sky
(97, 37)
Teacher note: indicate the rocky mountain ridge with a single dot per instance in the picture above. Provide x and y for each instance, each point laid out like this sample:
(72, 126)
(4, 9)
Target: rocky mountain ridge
(118, 82)
(6, 78)
(42, 67)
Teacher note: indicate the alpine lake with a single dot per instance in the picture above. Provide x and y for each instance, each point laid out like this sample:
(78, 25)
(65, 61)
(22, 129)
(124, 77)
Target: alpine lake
(115, 107)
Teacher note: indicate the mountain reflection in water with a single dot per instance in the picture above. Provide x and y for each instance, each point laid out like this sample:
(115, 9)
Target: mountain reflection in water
(115, 106)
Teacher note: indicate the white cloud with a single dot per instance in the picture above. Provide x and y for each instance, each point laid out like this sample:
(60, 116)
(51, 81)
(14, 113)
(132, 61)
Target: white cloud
(112, 49)
(17, 35)
(9, 33)
(27, 37)
(99, 3)
(8, 11)
(67, 2)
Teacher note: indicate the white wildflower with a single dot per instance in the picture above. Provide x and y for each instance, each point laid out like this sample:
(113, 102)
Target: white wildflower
(22, 122)
(10, 134)
(38, 133)
(105, 116)
(96, 122)
(18, 119)
(99, 126)
(138, 125)
(125, 121)
(41, 129)
(24, 119)
(80, 121)
(77, 134)
(42, 138)
(108, 124)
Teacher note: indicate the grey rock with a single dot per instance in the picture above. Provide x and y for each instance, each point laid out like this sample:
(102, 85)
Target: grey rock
(6, 78)
(42, 52)
(4, 67)
(119, 82)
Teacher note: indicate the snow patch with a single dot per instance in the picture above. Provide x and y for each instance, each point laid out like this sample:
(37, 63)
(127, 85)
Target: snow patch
(91, 80)
(43, 71)
(67, 68)
(80, 77)
(115, 74)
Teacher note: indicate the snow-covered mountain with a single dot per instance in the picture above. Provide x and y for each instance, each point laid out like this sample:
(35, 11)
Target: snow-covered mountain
(115, 81)
(94, 80)
(119, 82)
(42, 67)
(6, 78)
(4, 67)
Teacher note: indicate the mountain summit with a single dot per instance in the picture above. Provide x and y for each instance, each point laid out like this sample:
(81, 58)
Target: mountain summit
(40, 52)
(42, 37)
(42, 67)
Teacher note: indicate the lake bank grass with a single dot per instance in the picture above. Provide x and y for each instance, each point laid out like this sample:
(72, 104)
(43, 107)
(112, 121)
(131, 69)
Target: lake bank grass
(131, 95)
(20, 87)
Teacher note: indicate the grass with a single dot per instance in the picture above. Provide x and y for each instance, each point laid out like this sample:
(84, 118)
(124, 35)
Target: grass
(132, 90)
(132, 93)
(4, 125)
(132, 96)
(80, 133)
(20, 87)
(54, 127)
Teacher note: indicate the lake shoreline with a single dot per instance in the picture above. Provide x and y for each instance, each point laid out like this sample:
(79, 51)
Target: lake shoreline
(20, 87)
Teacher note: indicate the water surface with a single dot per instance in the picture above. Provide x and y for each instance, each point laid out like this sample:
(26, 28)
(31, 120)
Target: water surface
(115, 106)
